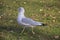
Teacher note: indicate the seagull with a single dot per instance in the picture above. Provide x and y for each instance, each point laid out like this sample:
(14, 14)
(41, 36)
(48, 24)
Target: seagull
(25, 21)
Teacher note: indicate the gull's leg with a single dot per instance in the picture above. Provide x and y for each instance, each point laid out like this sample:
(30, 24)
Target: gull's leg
(23, 30)
(32, 30)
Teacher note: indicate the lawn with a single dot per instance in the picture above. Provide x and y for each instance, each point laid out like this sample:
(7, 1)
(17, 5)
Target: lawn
(46, 11)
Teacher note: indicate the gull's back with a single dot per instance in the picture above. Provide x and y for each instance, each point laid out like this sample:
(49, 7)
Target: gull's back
(31, 22)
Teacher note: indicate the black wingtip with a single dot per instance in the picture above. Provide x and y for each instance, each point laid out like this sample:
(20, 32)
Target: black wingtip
(44, 24)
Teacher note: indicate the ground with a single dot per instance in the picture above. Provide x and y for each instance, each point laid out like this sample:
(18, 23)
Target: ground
(46, 11)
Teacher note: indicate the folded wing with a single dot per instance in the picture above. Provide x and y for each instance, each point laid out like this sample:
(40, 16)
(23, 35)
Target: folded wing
(30, 22)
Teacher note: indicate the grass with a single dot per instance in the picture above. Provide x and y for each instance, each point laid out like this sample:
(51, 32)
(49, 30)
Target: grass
(47, 11)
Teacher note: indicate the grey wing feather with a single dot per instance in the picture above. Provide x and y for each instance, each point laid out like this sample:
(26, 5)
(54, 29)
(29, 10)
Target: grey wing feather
(30, 21)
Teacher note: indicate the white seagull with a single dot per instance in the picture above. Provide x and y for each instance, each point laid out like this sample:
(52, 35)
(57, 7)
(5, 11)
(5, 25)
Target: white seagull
(27, 22)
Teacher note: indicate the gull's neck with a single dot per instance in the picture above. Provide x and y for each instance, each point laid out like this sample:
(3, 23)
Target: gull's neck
(21, 14)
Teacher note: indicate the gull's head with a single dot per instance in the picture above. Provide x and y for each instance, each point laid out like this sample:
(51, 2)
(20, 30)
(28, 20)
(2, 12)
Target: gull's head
(21, 9)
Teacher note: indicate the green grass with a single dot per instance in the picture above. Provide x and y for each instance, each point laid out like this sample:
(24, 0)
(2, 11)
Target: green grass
(47, 11)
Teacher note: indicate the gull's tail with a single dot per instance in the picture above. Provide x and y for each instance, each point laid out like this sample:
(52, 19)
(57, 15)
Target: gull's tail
(40, 24)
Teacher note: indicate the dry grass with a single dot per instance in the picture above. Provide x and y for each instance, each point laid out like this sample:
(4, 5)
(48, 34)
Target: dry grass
(47, 11)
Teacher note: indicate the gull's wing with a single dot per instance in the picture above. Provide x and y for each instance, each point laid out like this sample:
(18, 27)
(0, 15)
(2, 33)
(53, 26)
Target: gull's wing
(28, 21)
